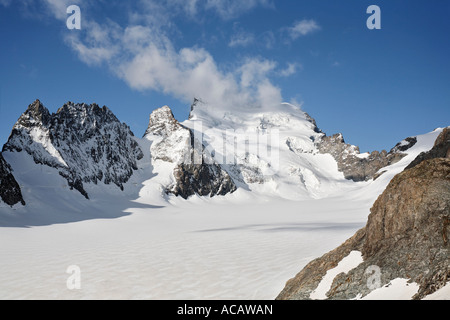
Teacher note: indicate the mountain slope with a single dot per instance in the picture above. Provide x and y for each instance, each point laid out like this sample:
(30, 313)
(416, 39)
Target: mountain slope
(281, 152)
(441, 149)
(406, 237)
(193, 171)
(85, 143)
(362, 167)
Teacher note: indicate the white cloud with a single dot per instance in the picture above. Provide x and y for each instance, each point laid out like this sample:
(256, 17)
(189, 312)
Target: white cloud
(225, 9)
(230, 9)
(190, 7)
(241, 39)
(290, 69)
(58, 8)
(142, 55)
(302, 28)
(43, 9)
(255, 70)
(192, 72)
(5, 3)
(268, 38)
(268, 94)
(91, 55)
(99, 43)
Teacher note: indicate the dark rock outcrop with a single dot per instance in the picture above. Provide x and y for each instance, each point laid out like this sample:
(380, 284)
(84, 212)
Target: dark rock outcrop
(10, 192)
(204, 180)
(357, 167)
(85, 143)
(406, 236)
(441, 149)
(195, 172)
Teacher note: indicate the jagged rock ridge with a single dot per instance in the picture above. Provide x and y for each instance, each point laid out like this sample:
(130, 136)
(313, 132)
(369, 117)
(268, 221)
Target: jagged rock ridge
(359, 167)
(195, 172)
(10, 192)
(85, 143)
(406, 236)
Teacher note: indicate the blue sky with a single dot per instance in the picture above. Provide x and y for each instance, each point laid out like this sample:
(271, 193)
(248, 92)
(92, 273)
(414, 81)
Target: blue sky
(376, 87)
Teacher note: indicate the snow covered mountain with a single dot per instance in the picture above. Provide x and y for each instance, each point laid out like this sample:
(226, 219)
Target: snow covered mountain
(272, 153)
(282, 152)
(175, 146)
(85, 143)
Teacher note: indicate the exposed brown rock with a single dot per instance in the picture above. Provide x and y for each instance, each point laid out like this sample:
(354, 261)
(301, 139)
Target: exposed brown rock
(406, 236)
(359, 168)
(441, 149)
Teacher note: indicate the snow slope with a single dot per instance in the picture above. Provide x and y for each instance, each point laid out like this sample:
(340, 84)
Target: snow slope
(292, 169)
(206, 249)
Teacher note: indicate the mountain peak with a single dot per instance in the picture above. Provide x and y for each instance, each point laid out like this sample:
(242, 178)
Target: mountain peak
(162, 122)
(83, 111)
(194, 105)
(85, 143)
(36, 113)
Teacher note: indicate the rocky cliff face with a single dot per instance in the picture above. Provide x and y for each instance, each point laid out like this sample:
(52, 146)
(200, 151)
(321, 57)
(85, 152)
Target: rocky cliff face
(194, 171)
(406, 236)
(358, 167)
(441, 149)
(10, 192)
(85, 143)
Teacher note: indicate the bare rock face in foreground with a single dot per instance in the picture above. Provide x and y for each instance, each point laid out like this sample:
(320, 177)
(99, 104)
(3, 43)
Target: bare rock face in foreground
(407, 236)
(441, 149)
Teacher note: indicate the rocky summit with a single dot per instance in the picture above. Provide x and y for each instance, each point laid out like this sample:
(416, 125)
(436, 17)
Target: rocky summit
(85, 143)
(194, 171)
(407, 236)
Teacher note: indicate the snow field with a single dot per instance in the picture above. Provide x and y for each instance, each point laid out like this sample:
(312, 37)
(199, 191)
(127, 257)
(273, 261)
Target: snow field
(218, 252)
